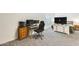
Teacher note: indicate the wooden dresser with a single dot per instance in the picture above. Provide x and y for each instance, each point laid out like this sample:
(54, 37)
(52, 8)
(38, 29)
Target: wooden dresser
(23, 32)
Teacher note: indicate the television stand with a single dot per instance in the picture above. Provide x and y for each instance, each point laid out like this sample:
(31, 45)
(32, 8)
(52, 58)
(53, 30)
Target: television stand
(62, 28)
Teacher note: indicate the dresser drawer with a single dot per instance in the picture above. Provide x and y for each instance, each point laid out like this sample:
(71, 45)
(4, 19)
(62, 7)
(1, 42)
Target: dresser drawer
(23, 32)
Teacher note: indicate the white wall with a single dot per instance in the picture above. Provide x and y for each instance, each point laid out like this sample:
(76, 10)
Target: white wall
(9, 23)
(70, 16)
(48, 20)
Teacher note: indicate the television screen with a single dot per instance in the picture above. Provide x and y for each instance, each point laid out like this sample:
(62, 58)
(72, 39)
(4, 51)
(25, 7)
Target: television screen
(64, 20)
(60, 20)
(57, 20)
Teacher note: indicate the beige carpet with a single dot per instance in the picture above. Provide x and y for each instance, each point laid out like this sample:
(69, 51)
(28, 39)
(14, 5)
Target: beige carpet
(50, 39)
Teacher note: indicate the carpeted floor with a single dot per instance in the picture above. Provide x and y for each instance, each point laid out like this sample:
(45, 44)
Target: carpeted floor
(50, 39)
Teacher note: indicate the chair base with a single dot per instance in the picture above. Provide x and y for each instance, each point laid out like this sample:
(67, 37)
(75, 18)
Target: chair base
(38, 36)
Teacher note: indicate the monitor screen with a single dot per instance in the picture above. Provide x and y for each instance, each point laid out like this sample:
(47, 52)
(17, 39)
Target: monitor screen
(36, 21)
(31, 22)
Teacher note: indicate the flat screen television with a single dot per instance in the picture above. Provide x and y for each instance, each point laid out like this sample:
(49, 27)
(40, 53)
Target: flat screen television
(60, 20)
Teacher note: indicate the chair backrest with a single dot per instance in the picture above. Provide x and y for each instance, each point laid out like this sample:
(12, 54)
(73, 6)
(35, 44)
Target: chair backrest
(41, 25)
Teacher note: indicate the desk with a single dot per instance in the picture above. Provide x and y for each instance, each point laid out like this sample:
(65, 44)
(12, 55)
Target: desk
(25, 31)
(31, 29)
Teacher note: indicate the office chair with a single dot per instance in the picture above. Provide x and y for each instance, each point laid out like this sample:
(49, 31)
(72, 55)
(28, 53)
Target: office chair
(39, 30)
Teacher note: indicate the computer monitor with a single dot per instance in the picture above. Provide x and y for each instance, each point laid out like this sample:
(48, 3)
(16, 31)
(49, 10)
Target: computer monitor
(31, 22)
(35, 21)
